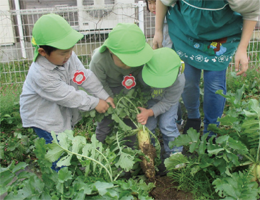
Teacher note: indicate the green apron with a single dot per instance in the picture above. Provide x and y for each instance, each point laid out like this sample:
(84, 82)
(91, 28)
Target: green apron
(205, 34)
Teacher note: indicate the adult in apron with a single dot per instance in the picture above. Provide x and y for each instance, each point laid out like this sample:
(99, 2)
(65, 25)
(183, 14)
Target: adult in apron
(205, 34)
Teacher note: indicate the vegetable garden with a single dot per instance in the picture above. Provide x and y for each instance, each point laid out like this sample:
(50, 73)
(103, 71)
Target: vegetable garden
(225, 167)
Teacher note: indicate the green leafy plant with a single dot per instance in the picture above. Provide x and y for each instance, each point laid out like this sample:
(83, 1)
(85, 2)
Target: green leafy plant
(9, 107)
(16, 143)
(16, 147)
(71, 182)
(199, 185)
(237, 144)
(126, 107)
(237, 186)
(96, 160)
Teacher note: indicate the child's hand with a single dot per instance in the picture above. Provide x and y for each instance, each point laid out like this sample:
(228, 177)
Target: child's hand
(143, 116)
(110, 100)
(102, 106)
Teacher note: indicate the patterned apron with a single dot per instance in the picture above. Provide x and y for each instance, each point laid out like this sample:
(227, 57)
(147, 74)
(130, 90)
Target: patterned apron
(205, 34)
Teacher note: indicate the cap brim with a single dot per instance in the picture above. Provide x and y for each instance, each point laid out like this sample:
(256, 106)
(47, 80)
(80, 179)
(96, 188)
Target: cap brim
(156, 81)
(67, 42)
(136, 59)
(64, 43)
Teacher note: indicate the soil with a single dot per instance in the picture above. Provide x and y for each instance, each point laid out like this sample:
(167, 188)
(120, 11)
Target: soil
(166, 190)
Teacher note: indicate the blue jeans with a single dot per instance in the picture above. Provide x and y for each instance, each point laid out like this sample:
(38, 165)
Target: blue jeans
(48, 139)
(213, 104)
(167, 126)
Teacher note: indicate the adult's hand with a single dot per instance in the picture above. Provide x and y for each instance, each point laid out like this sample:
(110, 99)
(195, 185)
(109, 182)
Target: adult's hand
(241, 61)
(157, 40)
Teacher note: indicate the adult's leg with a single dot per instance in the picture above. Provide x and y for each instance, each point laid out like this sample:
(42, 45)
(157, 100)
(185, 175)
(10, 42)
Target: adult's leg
(213, 104)
(191, 97)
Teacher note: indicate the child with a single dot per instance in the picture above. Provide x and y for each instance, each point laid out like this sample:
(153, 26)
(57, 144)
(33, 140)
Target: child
(163, 74)
(151, 7)
(51, 100)
(206, 35)
(122, 54)
(166, 42)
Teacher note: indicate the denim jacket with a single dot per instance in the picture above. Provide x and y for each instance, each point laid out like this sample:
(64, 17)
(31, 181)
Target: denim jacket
(51, 100)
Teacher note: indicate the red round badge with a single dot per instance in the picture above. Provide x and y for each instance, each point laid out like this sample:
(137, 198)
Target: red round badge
(129, 81)
(79, 77)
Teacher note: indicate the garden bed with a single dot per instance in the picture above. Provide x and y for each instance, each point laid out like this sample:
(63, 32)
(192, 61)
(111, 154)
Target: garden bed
(165, 189)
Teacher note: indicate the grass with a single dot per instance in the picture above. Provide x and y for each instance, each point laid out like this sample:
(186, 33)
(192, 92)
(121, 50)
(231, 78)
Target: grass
(10, 95)
(14, 72)
(254, 53)
(200, 185)
(251, 80)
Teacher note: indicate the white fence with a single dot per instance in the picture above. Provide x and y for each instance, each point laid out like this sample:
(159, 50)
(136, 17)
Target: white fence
(16, 51)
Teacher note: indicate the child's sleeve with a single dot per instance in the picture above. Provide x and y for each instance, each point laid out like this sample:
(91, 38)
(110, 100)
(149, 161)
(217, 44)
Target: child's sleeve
(171, 96)
(101, 76)
(250, 10)
(49, 86)
(92, 84)
(97, 66)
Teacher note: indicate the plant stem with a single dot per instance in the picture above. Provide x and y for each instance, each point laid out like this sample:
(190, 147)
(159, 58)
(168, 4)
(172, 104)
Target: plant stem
(137, 112)
(105, 159)
(258, 150)
(118, 175)
(157, 141)
(246, 163)
(120, 150)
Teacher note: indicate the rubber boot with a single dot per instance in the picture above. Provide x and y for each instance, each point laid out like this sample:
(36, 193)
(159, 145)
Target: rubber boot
(192, 123)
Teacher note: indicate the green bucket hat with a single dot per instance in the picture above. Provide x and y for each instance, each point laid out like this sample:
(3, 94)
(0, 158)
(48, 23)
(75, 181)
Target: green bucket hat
(162, 70)
(54, 31)
(128, 43)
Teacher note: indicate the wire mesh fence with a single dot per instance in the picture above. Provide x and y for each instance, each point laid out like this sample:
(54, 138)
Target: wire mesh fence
(16, 51)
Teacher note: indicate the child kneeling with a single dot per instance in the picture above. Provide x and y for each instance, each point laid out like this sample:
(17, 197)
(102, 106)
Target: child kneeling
(165, 80)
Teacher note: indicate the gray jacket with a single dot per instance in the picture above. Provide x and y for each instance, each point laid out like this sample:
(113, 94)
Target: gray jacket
(51, 101)
(165, 98)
